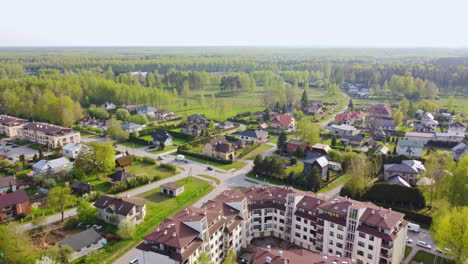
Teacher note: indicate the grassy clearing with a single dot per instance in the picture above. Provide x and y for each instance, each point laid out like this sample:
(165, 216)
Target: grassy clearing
(235, 165)
(251, 181)
(238, 187)
(158, 207)
(218, 181)
(101, 185)
(140, 168)
(297, 168)
(428, 258)
(129, 144)
(407, 251)
(259, 150)
(341, 180)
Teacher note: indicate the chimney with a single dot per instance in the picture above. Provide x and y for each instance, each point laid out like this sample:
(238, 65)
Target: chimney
(174, 234)
(280, 253)
(373, 211)
(268, 247)
(268, 260)
(285, 261)
(165, 232)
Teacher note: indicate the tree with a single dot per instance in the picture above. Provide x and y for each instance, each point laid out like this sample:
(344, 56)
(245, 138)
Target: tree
(60, 254)
(96, 158)
(46, 260)
(333, 141)
(58, 150)
(115, 130)
(308, 131)
(450, 230)
(230, 258)
(60, 198)
(138, 119)
(457, 187)
(98, 112)
(451, 103)
(126, 229)
(122, 114)
(315, 179)
(203, 258)
(86, 212)
(282, 138)
(162, 145)
(304, 100)
(398, 118)
(16, 246)
(360, 169)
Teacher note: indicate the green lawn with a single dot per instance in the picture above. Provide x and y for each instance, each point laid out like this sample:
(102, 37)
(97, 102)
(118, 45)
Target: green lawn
(259, 150)
(235, 165)
(407, 251)
(251, 181)
(100, 185)
(140, 168)
(297, 168)
(341, 180)
(218, 181)
(428, 258)
(158, 207)
(129, 144)
(36, 146)
(175, 143)
(238, 187)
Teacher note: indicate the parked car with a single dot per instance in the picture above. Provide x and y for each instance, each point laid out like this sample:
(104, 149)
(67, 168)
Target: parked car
(180, 158)
(209, 168)
(133, 261)
(160, 158)
(445, 251)
(186, 161)
(424, 244)
(409, 240)
(414, 227)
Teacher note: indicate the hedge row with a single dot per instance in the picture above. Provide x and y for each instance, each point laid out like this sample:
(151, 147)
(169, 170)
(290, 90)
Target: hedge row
(201, 156)
(181, 135)
(140, 141)
(385, 193)
(440, 144)
(249, 149)
(150, 130)
(410, 215)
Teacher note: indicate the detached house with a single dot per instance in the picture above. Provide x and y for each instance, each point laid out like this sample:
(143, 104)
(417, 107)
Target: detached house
(13, 204)
(314, 108)
(343, 130)
(315, 160)
(457, 127)
(293, 144)
(380, 111)
(132, 127)
(7, 184)
(408, 170)
(146, 110)
(283, 122)
(83, 243)
(350, 118)
(72, 150)
(114, 209)
(251, 135)
(161, 136)
(219, 148)
(381, 124)
(10, 126)
(195, 125)
(108, 106)
(459, 150)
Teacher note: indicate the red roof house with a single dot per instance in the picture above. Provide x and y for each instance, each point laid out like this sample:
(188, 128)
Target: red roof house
(13, 204)
(283, 121)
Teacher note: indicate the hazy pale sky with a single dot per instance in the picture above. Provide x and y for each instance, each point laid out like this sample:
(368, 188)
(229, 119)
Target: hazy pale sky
(235, 22)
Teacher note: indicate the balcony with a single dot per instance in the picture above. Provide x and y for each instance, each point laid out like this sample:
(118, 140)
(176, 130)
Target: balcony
(386, 255)
(320, 231)
(387, 246)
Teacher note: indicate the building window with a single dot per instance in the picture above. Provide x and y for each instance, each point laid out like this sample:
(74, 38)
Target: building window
(369, 256)
(339, 236)
(304, 237)
(371, 247)
(361, 244)
(371, 238)
(339, 245)
(331, 233)
(360, 253)
(298, 235)
(298, 219)
(331, 242)
(305, 229)
(361, 234)
(332, 225)
(298, 226)
(330, 251)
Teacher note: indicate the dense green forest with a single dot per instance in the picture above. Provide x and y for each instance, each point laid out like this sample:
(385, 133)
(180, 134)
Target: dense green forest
(39, 83)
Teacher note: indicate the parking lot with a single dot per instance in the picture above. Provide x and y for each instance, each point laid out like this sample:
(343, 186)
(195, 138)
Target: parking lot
(13, 151)
(425, 236)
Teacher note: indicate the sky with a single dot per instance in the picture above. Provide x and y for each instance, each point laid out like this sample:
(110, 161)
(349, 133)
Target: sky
(428, 23)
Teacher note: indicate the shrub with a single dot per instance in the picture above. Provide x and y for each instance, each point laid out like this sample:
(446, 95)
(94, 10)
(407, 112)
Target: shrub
(71, 223)
(168, 166)
(293, 161)
(149, 160)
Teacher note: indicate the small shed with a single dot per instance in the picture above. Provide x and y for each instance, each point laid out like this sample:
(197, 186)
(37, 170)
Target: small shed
(172, 188)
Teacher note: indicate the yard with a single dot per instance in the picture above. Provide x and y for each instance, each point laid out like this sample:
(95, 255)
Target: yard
(158, 207)
(259, 150)
(297, 168)
(175, 143)
(216, 180)
(129, 144)
(235, 165)
(428, 258)
(140, 168)
(341, 180)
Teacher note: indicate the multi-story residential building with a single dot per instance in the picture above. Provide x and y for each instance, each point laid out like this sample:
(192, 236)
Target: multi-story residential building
(10, 126)
(49, 135)
(219, 148)
(336, 226)
(13, 204)
(408, 170)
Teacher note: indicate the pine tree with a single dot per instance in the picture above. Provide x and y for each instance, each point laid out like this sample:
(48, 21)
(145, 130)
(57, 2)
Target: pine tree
(333, 141)
(282, 138)
(304, 100)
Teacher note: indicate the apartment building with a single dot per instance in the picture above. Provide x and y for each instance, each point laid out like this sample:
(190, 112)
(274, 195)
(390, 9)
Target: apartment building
(49, 135)
(337, 226)
(10, 126)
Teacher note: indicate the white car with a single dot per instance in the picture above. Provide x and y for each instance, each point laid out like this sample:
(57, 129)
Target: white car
(424, 244)
(133, 261)
(445, 251)
(409, 240)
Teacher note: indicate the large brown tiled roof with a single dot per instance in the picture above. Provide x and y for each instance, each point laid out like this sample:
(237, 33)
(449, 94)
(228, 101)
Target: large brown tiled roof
(120, 205)
(13, 198)
(7, 181)
(381, 217)
(46, 128)
(293, 256)
(283, 120)
(8, 120)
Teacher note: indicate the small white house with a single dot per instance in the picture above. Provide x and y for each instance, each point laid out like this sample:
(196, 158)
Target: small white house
(132, 127)
(333, 165)
(343, 130)
(71, 150)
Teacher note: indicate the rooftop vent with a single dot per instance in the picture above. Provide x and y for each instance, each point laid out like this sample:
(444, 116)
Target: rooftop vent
(268, 260)
(324, 258)
(304, 203)
(165, 232)
(280, 253)
(279, 195)
(174, 234)
(373, 211)
(268, 247)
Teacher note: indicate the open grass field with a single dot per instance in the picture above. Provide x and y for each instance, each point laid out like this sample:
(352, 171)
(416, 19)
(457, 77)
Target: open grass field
(259, 150)
(129, 144)
(235, 165)
(297, 168)
(407, 251)
(175, 143)
(101, 185)
(140, 168)
(158, 207)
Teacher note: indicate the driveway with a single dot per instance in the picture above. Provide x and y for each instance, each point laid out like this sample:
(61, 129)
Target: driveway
(425, 236)
(14, 151)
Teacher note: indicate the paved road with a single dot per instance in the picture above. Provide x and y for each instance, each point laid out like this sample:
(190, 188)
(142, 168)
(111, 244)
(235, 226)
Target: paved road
(325, 123)
(425, 236)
